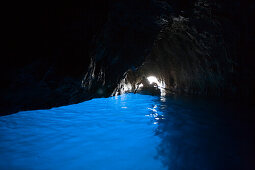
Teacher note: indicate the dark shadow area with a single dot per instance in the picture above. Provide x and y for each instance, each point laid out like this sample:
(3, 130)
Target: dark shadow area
(47, 49)
(205, 134)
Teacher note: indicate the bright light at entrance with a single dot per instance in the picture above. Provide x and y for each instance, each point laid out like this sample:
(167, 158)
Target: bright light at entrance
(161, 84)
(140, 85)
(152, 79)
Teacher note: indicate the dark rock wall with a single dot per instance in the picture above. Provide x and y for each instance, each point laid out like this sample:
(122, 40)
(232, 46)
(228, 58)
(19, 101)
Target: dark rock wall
(193, 56)
(126, 40)
(200, 51)
(58, 55)
(50, 48)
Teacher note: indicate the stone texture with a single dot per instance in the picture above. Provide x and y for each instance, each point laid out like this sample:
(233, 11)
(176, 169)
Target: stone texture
(63, 55)
(198, 53)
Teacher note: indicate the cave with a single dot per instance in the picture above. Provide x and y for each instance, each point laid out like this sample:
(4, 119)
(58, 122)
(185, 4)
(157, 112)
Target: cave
(128, 84)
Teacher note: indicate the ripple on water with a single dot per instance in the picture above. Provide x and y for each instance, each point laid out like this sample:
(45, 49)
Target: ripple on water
(130, 131)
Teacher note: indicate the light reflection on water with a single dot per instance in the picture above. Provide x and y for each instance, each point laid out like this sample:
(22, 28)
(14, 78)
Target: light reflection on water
(130, 131)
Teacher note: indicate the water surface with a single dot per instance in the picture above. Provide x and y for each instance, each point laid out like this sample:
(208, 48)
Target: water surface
(130, 131)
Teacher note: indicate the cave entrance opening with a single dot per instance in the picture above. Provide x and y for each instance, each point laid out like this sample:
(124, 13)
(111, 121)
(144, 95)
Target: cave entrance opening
(153, 79)
(149, 83)
(159, 84)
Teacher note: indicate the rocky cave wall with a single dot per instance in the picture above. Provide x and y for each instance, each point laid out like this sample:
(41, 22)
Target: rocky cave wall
(64, 55)
(127, 37)
(59, 55)
(199, 53)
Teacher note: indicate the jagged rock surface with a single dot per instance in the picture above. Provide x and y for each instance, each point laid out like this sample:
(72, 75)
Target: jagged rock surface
(60, 56)
(198, 53)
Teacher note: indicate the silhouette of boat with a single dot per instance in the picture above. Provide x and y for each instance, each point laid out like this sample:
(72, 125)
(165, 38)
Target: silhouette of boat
(149, 90)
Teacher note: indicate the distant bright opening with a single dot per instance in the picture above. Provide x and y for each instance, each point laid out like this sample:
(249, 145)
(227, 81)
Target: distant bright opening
(140, 85)
(161, 84)
(153, 79)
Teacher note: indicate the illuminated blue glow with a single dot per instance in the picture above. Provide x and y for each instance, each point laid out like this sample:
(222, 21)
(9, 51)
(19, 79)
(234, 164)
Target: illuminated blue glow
(105, 133)
(130, 131)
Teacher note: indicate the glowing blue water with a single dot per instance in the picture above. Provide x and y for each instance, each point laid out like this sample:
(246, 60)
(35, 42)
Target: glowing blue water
(131, 131)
